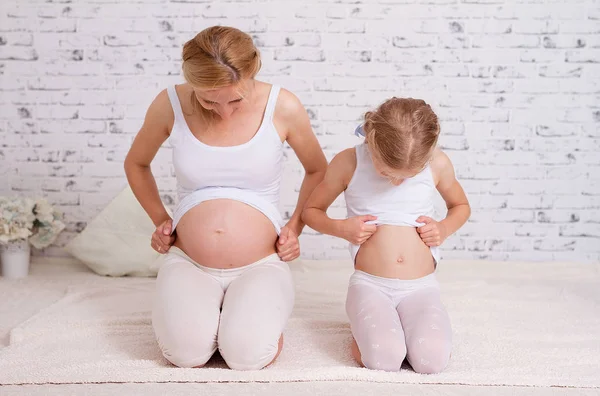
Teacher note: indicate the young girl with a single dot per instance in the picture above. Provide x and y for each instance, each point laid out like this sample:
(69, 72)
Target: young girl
(388, 182)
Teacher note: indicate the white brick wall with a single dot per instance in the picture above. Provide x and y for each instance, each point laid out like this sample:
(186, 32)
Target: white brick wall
(515, 82)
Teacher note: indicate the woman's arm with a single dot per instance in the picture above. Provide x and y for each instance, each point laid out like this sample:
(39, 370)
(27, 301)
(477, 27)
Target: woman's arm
(300, 136)
(154, 131)
(459, 210)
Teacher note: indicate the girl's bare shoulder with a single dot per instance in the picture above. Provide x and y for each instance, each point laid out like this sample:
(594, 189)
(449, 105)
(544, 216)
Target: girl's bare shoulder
(441, 166)
(343, 165)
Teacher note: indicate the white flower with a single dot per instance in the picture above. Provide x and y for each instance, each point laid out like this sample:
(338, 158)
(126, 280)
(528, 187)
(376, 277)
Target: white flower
(43, 211)
(46, 235)
(25, 218)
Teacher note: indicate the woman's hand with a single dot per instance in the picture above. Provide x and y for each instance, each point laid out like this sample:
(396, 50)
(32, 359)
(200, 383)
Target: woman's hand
(433, 233)
(288, 246)
(162, 238)
(356, 230)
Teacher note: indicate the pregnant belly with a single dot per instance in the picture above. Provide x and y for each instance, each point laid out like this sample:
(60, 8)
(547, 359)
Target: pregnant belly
(224, 233)
(395, 252)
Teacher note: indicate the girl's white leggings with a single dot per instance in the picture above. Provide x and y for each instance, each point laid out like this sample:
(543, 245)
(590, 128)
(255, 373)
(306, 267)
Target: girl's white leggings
(393, 319)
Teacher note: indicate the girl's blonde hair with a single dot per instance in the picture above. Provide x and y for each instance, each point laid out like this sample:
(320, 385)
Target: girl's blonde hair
(217, 57)
(403, 131)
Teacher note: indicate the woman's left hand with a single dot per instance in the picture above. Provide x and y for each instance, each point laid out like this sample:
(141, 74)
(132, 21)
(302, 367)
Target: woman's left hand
(288, 246)
(433, 233)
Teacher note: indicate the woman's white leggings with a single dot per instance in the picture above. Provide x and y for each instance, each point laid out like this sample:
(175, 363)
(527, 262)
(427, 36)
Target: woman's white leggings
(393, 319)
(240, 311)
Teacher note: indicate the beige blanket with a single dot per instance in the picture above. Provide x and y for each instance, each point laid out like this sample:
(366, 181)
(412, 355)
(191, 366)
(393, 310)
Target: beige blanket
(528, 324)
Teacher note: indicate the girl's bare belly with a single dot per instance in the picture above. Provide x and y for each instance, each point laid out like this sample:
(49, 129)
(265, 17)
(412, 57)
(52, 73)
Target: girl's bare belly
(224, 233)
(395, 252)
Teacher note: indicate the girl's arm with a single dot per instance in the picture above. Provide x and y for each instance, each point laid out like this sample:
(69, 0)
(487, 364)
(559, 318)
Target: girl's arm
(459, 210)
(336, 180)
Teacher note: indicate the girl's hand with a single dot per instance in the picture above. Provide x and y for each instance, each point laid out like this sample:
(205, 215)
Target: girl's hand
(356, 231)
(288, 246)
(162, 238)
(433, 233)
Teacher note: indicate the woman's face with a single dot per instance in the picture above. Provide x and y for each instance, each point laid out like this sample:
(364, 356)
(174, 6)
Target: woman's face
(224, 101)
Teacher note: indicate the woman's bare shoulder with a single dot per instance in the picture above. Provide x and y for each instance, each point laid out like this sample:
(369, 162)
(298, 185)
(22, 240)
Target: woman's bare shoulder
(288, 105)
(159, 116)
(161, 105)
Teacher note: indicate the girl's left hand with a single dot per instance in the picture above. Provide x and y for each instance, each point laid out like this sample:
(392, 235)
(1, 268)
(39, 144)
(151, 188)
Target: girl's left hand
(288, 246)
(433, 233)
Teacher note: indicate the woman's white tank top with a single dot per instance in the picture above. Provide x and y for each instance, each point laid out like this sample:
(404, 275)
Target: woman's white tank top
(249, 172)
(368, 193)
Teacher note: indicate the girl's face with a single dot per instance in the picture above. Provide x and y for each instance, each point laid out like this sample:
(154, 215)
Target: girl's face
(224, 101)
(395, 176)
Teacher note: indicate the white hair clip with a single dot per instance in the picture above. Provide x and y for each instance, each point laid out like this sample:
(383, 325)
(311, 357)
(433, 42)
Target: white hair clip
(359, 131)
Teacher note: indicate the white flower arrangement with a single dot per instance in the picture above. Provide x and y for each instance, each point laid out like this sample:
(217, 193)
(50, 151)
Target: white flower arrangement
(29, 219)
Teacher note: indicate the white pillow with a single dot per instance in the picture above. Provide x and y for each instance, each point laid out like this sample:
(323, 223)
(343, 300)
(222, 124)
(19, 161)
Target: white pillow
(117, 241)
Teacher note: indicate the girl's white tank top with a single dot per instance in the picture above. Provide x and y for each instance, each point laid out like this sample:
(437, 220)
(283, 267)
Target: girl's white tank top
(369, 193)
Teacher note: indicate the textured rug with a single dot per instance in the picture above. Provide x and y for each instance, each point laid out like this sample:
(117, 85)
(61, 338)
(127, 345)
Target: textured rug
(516, 324)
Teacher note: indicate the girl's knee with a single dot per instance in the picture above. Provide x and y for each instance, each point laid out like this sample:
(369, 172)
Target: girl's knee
(429, 356)
(436, 365)
(386, 357)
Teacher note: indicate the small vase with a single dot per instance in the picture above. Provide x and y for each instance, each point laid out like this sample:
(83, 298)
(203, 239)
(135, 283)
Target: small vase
(15, 258)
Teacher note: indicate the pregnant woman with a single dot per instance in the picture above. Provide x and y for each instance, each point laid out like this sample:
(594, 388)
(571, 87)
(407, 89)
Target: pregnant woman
(224, 283)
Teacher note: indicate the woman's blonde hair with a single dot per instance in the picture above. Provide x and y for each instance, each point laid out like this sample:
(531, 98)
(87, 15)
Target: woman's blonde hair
(217, 57)
(403, 131)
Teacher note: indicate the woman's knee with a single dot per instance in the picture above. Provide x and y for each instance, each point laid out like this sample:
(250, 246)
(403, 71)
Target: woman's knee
(243, 351)
(255, 311)
(186, 313)
(187, 350)
(183, 344)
